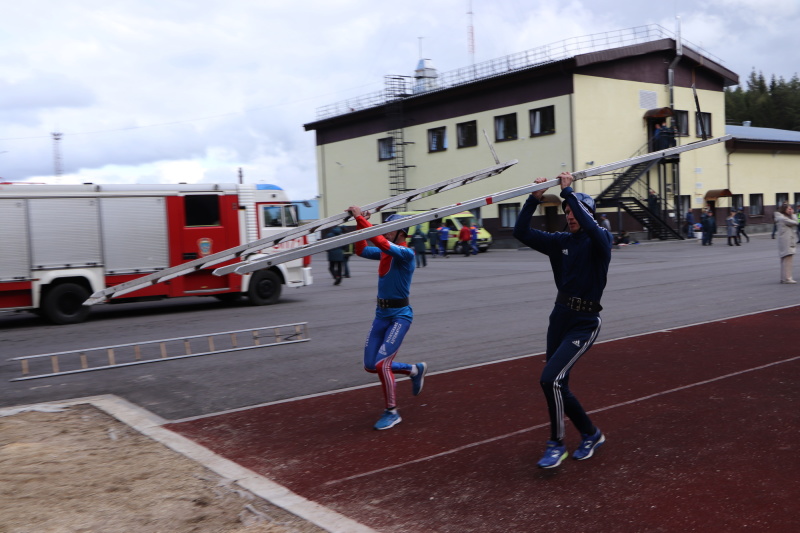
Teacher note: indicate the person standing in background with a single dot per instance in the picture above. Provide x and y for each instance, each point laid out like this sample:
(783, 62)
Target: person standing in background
(418, 243)
(786, 223)
(741, 222)
(731, 228)
(444, 235)
(336, 257)
(433, 239)
(605, 222)
(465, 238)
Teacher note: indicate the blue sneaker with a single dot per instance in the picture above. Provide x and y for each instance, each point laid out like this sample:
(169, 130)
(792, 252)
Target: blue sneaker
(388, 420)
(588, 445)
(553, 456)
(418, 380)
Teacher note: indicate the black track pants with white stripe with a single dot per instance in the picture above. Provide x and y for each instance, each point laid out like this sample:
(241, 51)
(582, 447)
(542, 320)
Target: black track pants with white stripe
(569, 335)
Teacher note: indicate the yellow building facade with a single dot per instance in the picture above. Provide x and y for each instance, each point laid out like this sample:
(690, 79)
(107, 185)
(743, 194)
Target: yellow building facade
(571, 114)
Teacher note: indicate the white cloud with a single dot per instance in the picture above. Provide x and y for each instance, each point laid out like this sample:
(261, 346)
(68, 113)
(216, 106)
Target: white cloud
(193, 90)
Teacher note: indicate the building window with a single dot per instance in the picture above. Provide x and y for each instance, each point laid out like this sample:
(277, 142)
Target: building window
(796, 199)
(385, 149)
(543, 121)
(505, 127)
(681, 123)
(781, 198)
(202, 210)
(737, 201)
(508, 215)
(437, 140)
(706, 123)
(467, 134)
(278, 216)
(756, 204)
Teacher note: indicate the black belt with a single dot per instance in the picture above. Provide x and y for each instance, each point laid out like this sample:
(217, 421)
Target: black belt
(392, 303)
(578, 304)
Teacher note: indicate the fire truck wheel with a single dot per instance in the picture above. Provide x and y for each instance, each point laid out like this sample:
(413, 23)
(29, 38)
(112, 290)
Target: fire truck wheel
(63, 304)
(265, 288)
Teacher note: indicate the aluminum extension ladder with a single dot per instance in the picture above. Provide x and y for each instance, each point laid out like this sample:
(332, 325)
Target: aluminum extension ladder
(327, 244)
(138, 353)
(366, 233)
(294, 233)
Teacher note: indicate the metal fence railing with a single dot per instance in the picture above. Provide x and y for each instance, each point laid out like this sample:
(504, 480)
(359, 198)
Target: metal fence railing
(530, 58)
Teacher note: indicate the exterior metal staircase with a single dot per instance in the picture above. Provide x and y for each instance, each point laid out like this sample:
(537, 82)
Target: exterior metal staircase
(622, 193)
(639, 211)
(624, 181)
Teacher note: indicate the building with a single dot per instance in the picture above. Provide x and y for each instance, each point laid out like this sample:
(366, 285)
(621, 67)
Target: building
(570, 106)
(763, 170)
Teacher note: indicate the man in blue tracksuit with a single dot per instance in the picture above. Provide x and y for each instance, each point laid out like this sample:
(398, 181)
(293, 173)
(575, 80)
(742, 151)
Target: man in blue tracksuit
(444, 235)
(579, 259)
(393, 314)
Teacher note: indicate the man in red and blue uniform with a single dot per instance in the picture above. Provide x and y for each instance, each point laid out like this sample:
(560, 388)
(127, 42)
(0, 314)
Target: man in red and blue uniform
(393, 315)
(579, 259)
(473, 233)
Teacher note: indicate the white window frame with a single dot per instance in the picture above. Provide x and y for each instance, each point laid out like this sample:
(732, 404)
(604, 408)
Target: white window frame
(536, 119)
(467, 136)
(509, 214)
(437, 139)
(706, 118)
(503, 124)
(386, 149)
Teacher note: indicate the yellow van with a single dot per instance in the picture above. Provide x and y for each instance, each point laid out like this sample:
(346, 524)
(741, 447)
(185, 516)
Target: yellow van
(454, 222)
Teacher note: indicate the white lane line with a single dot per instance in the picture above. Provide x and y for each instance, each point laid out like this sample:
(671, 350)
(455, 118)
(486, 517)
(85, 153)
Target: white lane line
(467, 367)
(525, 430)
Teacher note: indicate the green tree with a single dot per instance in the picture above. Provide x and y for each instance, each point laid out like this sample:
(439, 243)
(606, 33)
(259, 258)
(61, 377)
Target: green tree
(766, 105)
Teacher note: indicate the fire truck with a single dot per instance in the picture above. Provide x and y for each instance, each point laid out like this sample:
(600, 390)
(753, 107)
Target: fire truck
(61, 243)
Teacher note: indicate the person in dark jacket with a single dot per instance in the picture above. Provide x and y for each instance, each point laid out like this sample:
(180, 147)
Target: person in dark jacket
(741, 223)
(433, 239)
(579, 259)
(336, 258)
(418, 243)
(709, 223)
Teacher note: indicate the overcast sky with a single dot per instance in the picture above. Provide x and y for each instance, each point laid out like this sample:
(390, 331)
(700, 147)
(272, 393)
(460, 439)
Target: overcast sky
(148, 91)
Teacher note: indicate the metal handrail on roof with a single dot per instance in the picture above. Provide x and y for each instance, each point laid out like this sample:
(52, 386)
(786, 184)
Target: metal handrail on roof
(534, 57)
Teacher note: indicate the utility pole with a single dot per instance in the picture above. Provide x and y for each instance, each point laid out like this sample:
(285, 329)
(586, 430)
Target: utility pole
(57, 153)
(241, 176)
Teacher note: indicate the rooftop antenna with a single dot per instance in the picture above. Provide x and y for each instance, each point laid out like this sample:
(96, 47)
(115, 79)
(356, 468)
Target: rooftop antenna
(470, 34)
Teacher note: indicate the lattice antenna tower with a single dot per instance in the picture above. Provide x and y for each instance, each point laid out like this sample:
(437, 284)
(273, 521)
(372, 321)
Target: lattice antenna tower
(57, 153)
(470, 34)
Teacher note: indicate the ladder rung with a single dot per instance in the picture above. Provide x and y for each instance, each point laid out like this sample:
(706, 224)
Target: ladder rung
(70, 362)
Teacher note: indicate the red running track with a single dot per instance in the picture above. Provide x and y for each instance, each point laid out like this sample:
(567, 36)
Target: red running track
(702, 426)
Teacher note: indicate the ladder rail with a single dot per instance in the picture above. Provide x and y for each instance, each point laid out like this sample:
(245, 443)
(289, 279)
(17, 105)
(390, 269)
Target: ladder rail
(37, 356)
(294, 233)
(298, 333)
(366, 233)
